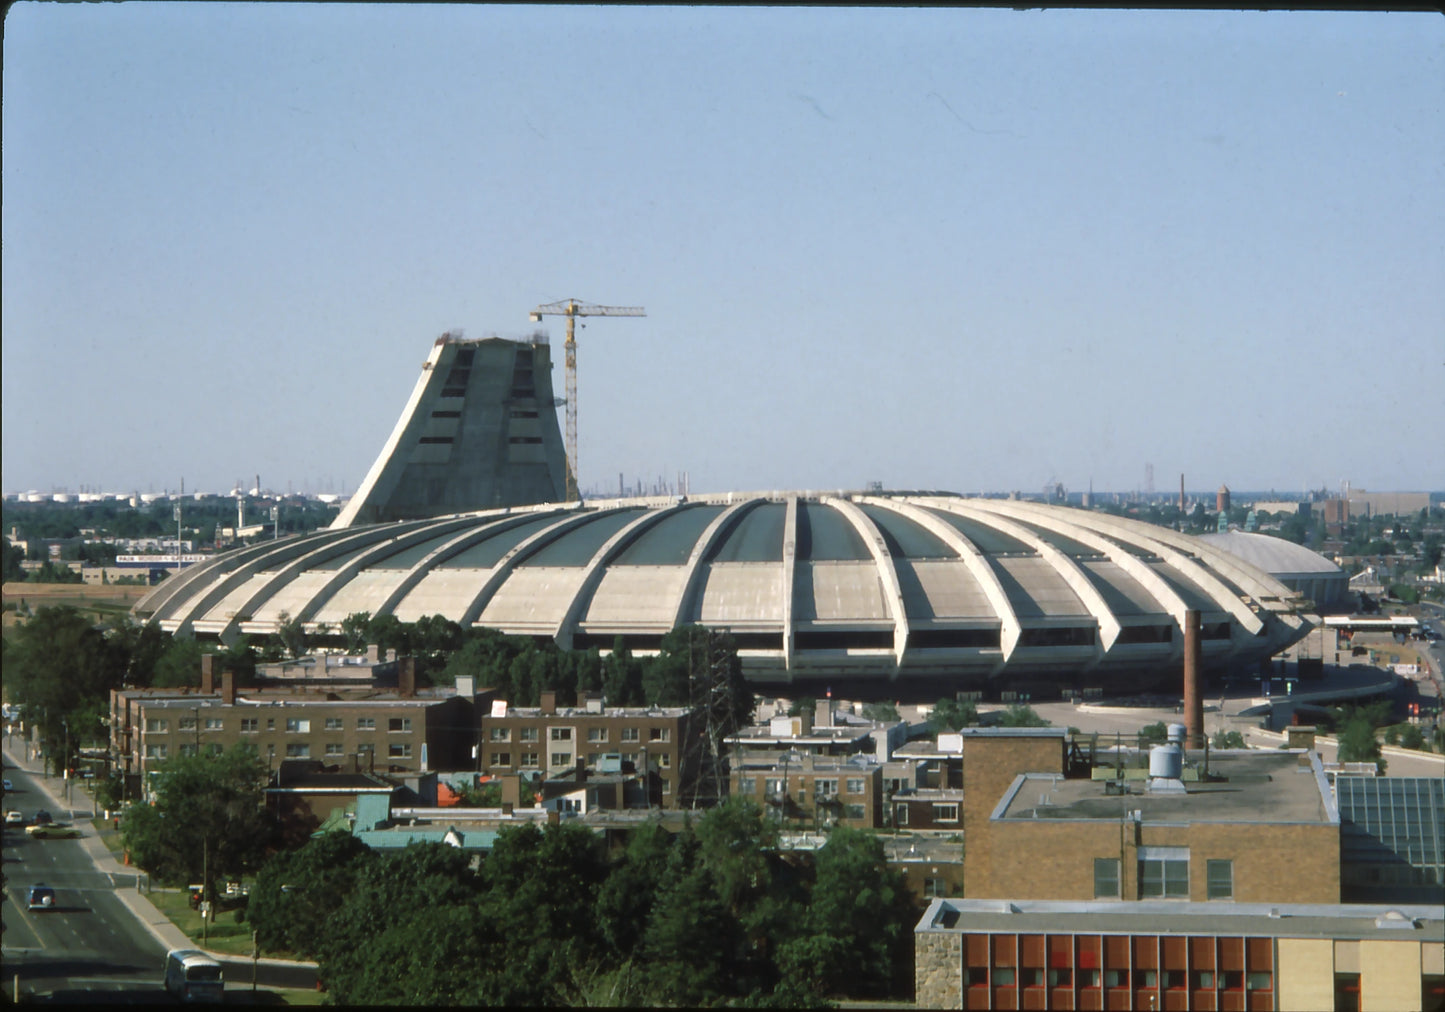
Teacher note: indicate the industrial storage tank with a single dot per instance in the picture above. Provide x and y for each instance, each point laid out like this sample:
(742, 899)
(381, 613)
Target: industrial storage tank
(1166, 762)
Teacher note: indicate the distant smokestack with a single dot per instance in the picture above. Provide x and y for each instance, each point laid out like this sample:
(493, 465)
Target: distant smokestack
(1193, 694)
(1181, 493)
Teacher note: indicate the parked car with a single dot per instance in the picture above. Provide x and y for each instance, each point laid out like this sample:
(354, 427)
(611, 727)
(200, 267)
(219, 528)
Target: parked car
(14, 818)
(8, 785)
(40, 897)
(43, 818)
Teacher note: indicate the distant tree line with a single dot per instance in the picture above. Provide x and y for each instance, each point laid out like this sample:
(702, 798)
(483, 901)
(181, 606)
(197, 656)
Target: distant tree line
(60, 667)
(715, 914)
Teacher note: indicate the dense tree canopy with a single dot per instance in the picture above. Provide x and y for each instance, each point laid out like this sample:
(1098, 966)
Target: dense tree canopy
(208, 820)
(712, 915)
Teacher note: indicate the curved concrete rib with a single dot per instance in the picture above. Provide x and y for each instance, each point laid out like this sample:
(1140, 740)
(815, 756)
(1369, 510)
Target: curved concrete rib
(509, 562)
(789, 568)
(383, 547)
(279, 552)
(692, 583)
(1069, 572)
(1126, 560)
(887, 572)
(920, 510)
(596, 569)
(455, 547)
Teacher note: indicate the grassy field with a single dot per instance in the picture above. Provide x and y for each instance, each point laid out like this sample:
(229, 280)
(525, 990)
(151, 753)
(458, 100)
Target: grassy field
(101, 602)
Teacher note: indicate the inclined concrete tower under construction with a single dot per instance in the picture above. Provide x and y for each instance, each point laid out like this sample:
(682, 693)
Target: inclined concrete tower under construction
(479, 432)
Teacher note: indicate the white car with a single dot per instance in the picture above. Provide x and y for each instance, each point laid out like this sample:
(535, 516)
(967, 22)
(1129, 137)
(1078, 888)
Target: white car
(14, 818)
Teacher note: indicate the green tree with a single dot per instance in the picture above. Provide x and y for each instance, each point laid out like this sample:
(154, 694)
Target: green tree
(292, 634)
(803, 705)
(179, 665)
(354, 629)
(881, 712)
(952, 714)
(862, 908)
(1149, 734)
(1227, 739)
(60, 668)
(1358, 743)
(425, 890)
(297, 892)
(1022, 716)
(208, 821)
(625, 900)
(14, 555)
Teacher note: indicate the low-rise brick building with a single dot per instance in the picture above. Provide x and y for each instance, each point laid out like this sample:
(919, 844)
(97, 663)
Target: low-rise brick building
(544, 741)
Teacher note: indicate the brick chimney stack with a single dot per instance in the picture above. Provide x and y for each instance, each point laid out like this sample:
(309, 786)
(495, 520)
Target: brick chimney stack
(1193, 691)
(208, 673)
(406, 677)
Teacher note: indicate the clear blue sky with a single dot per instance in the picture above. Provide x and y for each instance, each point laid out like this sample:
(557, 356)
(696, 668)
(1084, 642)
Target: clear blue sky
(962, 249)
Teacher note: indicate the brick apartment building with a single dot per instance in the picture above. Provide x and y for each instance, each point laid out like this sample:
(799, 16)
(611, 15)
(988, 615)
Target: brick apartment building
(1262, 828)
(352, 729)
(541, 742)
(813, 791)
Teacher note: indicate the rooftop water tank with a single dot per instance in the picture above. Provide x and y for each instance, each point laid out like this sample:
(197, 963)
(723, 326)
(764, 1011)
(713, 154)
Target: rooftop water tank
(1175, 733)
(1166, 762)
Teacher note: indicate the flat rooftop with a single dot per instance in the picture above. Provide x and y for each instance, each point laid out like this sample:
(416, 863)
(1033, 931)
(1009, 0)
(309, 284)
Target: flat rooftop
(1345, 921)
(1255, 787)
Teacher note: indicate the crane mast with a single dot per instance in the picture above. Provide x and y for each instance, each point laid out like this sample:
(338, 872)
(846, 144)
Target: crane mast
(571, 309)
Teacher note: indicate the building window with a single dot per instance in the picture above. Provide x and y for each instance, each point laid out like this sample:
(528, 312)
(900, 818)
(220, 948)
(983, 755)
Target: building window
(298, 725)
(333, 723)
(1031, 977)
(664, 761)
(529, 734)
(666, 786)
(561, 758)
(270, 723)
(499, 734)
(398, 724)
(186, 724)
(660, 734)
(597, 734)
(188, 748)
(853, 812)
(1203, 980)
(1106, 878)
(155, 724)
(777, 786)
(561, 734)
(529, 760)
(298, 751)
(1220, 879)
(855, 785)
(945, 813)
(366, 723)
(156, 751)
(1164, 872)
(1174, 980)
(334, 749)
(1062, 977)
(401, 750)
(825, 788)
(214, 723)
(747, 785)
(1003, 976)
(1259, 980)
(630, 734)
(901, 815)
(249, 725)
(935, 887)
(1146, 979)
(501, 758)
(213, 748)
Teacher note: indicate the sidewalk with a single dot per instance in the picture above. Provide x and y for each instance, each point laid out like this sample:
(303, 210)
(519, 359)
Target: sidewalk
(157, 923)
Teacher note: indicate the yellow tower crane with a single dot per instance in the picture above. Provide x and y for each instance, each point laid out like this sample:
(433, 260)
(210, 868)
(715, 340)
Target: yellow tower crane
(572, 309)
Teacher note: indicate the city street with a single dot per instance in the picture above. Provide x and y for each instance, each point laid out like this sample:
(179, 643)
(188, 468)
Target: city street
(102, 941)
